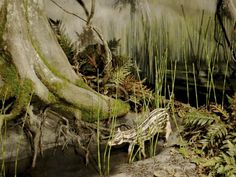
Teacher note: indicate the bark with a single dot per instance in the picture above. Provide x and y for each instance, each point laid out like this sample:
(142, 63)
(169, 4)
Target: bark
(226, 8)
(230, 7)
(37, 57)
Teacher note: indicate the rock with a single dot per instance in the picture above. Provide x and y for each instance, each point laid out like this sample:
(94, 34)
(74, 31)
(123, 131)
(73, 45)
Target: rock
(169, 163)
(121, 175)
(160, 173)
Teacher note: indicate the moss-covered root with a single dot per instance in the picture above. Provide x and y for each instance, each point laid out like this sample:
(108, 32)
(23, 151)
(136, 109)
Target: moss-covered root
(23, 98)
(39, 58)
(115, 108)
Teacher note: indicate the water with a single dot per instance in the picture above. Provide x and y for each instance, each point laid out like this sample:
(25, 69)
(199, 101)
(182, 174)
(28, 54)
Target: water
(68, 163)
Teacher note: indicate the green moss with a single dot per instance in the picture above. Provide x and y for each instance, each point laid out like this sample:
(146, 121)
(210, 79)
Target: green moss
(64, 107)
(117, 108)
(52, 98)
(82, 84)
(10, 77)
(68, 110)
(50, 67)
(23, 97)
(22, 94)
(55, 87)
(3, 19)
(8, 71)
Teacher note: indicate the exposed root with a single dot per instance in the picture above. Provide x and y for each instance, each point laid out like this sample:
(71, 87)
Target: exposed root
(34, 125)
(86, 149)
(74, 138)
(65, 131)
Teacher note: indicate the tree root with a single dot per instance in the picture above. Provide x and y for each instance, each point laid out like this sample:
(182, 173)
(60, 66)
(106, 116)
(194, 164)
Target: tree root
(34, 125)
(44, 68)
(45, 72)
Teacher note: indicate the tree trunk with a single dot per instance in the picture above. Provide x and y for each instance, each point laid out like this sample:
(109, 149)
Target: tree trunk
(230, 7)
(32, 62)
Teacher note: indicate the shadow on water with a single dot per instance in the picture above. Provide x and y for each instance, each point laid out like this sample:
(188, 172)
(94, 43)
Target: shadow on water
(68, 163)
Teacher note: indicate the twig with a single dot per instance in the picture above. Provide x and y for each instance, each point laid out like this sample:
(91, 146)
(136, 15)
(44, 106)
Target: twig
(84, 7)
(71, 13)
(108, 58)
(91, 12)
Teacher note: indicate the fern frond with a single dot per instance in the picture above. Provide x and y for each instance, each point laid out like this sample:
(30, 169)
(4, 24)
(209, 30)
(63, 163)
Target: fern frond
(67, 46)
(217, 131)
(122, 69)
(231, 136)
(227, 167)
(65, 42)
(118, 76)
(212, 161)
(217, 109)
(196, 118)
(231, 148)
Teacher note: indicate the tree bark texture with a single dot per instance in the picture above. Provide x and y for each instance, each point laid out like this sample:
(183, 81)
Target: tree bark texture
(37, 56)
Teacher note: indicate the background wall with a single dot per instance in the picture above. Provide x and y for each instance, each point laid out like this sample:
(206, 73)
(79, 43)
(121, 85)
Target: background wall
(106, 16)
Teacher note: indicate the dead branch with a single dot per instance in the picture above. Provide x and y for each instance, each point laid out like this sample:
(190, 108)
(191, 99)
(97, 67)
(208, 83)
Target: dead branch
(68, 12)
(84, 7)
(92, 11)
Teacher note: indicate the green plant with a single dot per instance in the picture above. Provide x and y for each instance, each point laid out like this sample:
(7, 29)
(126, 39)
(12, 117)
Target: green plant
(224, 164)
(211, 135)
(65, 42)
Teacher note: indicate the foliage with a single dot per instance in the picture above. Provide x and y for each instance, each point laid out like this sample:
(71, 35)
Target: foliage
(89, 62)
(64, 41)
(121, 83)
(211, 135)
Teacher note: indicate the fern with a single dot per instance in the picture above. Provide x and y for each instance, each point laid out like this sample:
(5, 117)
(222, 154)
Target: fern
(228, 164)
(216, 132)
(199, 119)
(212, 162)
(224, 164)
(231, 148)
(122, 68)
(119, 74)
(65, 42)
(68, 47)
